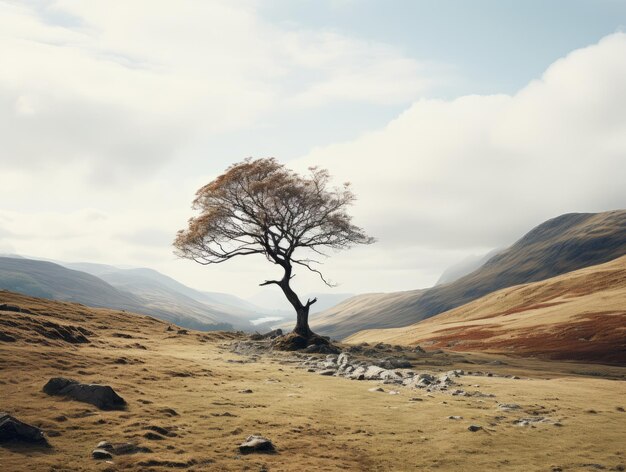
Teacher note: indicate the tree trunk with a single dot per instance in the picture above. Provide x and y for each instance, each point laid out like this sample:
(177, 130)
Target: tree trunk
(302, 322)
(302, 311)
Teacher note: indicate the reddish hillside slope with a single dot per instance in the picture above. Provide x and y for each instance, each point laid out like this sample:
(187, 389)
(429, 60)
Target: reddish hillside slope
(580, 315)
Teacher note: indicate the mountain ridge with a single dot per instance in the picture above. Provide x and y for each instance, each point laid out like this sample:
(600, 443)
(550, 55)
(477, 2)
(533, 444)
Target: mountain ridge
(559, 245)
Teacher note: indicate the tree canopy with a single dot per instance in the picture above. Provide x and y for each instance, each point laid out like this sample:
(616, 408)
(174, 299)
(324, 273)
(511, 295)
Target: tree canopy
(259, 206)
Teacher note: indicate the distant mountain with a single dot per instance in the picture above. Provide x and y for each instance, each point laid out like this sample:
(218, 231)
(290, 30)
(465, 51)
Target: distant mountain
(464, 267)
(563, 244)
(580, 315)
(49, 280)
(150, 283)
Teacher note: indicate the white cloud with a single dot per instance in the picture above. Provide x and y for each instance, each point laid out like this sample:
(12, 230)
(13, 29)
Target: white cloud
(127, 85)
(482, 170)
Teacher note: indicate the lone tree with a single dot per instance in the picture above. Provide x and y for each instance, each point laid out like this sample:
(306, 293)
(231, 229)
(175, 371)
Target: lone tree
(260, 207)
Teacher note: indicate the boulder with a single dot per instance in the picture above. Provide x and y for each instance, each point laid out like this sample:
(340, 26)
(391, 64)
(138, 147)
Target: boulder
(102, 396)
(373, 372)
(473, 428)
(357, 374)
(101, 454)
(12, 429)
(419, 381)
(389, 376)
(343, 359)
(256, 444)
(273, 334)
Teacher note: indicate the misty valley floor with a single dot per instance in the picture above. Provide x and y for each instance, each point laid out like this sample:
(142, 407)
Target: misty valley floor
(195, 386)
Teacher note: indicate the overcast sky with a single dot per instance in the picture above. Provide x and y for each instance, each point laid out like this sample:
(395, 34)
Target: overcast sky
(460, 124)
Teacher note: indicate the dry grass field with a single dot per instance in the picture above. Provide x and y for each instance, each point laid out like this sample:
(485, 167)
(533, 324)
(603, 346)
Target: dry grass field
(192, 385)
(580, 315)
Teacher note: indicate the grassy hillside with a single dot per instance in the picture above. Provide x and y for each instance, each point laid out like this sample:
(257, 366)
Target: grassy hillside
(150, 280)
(580, 315)
(45, 279)
(49, 280)
(558, 246)
(191, 402)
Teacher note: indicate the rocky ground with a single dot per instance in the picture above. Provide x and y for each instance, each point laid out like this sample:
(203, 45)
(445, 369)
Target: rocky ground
(224, 401)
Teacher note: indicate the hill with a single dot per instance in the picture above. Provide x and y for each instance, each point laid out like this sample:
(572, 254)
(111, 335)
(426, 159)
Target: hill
(159, 290)
(53, 281)
(580, 315)
(464, 267)
(560, 245)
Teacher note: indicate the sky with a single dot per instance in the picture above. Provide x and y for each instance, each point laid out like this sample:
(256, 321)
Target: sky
(460, 124)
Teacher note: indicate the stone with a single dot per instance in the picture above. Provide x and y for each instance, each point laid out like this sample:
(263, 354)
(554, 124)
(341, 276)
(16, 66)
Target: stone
(101, 396)
(390, 376)
(508, 406)
(328, 372)
(358, 373)
(273, 334)
(101, 454)
(376, 389)
(12, 429)
(107, 446)
(256, 444)
(247, 390)
(426, 377)
(343, 359)
(373, 372)
(473, 428)
(119, 449)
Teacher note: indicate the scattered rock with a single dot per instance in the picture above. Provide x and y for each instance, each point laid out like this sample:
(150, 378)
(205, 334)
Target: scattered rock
(273, 334)
(509, 406)
(327, 372)
(247, 390)
(102, 396)
(343, 359)
(376, 389)
(256, 444)
(12, 429)
(473, 428)
(373, 372)
(455, 418)
(101, 454)
(169, 411)
(119, 449)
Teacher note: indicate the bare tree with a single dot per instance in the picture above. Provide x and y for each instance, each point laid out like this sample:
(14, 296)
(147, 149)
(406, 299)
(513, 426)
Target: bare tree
(260, 207)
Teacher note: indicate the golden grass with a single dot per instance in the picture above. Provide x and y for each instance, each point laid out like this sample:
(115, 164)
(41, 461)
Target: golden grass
(317, 423)
(580, 315)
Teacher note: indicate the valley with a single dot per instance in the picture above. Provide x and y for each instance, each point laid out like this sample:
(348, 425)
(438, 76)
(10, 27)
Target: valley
(191, 401)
